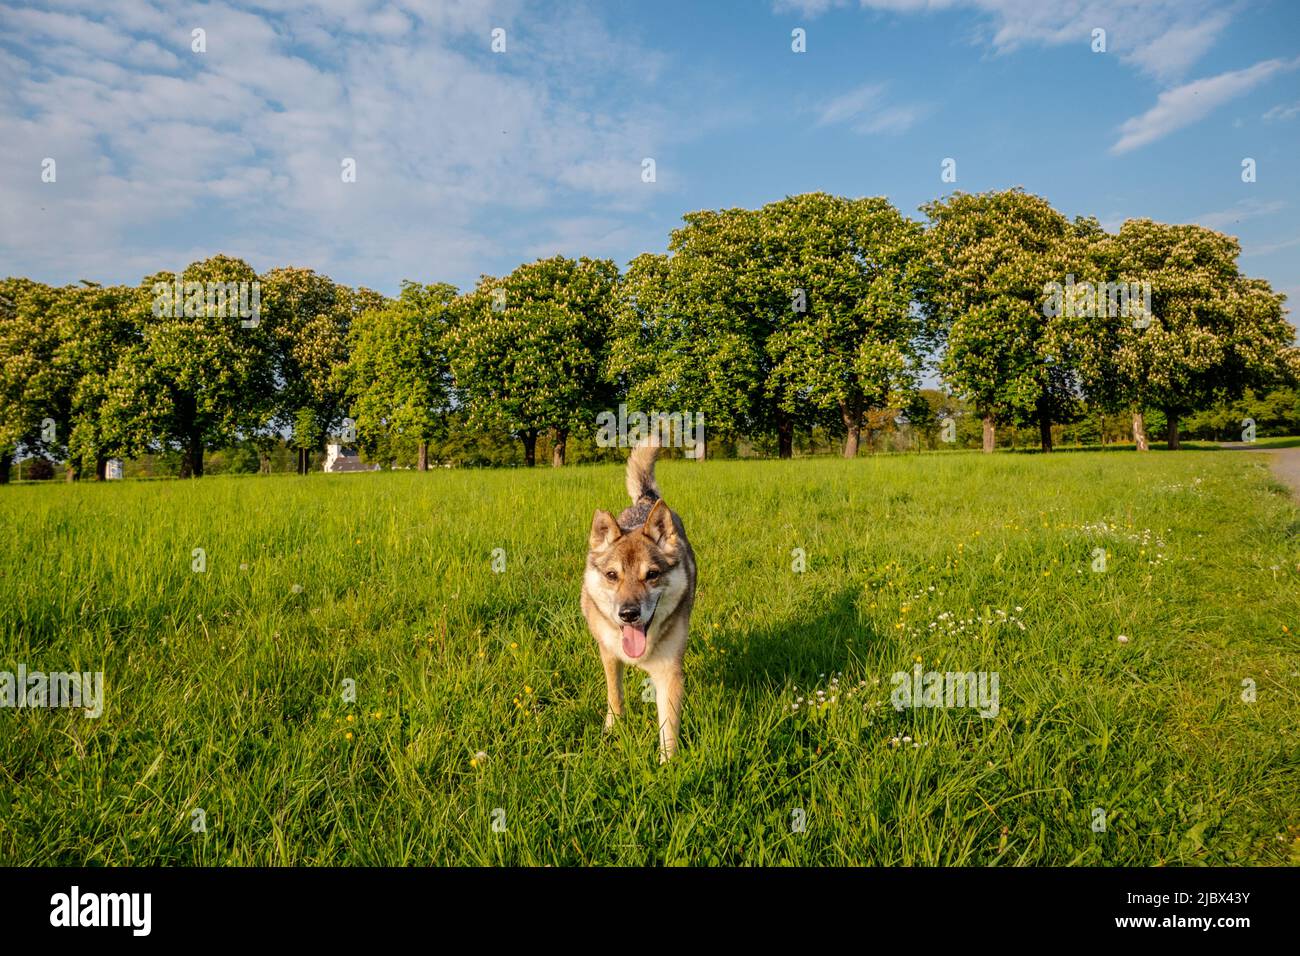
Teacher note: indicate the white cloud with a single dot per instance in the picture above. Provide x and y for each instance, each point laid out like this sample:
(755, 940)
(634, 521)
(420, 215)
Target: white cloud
(1192, 102)
(864, 111)
(164, 153)
(1268, 248)
(1240, 211)
(1282, 113)
(1161, 38)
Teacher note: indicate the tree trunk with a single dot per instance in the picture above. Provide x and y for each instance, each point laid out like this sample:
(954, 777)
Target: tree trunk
(424, 456)
(989, 434)
(73, 471)
(6, 466)
(560, 437)
(263, 463)
(196, 455)
(1140, 431)
(192, 453)
(101, 468)
(530, 447)
(1174, 444)
(853, 429)
(1044, 426)
(784, 435)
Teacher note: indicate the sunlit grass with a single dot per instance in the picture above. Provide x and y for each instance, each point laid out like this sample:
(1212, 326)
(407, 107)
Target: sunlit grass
(479, 695)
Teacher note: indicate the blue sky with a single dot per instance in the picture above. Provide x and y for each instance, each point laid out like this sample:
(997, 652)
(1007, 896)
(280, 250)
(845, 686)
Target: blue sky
(472, 161)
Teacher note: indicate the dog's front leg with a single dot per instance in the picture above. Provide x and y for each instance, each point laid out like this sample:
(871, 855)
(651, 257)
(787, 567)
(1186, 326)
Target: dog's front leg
(613, 687)
(668, 697)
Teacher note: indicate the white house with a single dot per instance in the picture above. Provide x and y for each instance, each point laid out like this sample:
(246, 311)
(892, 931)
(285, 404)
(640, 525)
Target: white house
(340, 459)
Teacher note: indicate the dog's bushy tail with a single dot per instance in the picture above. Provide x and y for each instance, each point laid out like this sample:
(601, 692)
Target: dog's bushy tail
(641, 472)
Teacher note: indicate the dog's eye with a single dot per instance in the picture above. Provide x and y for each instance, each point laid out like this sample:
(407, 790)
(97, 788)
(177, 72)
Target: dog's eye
(651, 575)
(612, 575)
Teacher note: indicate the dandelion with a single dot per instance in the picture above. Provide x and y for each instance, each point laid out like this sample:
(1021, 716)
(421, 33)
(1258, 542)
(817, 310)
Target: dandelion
(1123, 638)
(349, 735)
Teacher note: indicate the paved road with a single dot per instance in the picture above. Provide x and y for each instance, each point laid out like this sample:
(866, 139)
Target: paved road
(1285, 462)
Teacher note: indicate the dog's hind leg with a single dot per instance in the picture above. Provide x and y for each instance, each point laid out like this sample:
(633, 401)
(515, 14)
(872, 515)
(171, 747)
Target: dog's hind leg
(613, 687)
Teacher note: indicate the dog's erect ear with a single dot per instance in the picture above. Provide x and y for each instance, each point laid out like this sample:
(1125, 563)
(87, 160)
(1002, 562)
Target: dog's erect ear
(659, 525)
(604, 530)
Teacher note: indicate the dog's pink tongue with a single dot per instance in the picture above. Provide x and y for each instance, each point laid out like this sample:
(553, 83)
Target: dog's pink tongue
(633, 640)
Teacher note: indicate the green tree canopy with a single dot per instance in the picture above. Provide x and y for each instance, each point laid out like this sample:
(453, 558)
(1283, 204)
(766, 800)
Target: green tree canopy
(992, 254)
(194, 381)
(397, 376)
(528, 351)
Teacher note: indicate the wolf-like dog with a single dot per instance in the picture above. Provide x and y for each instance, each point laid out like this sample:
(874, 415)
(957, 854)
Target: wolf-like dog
(637, 593)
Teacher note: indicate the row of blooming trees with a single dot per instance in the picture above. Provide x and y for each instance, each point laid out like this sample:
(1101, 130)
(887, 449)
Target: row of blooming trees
(816, 311)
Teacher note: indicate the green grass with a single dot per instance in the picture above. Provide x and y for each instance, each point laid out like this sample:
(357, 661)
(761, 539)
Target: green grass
(1278, 442)
(225, 688)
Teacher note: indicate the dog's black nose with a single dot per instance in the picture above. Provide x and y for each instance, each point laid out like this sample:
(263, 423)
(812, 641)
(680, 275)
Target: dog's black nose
(629, 613)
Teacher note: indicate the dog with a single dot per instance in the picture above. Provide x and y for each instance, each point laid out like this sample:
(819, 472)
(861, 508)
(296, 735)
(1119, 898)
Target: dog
(638, 590)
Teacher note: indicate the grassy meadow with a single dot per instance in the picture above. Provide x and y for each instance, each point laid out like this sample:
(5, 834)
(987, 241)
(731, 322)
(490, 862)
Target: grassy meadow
(225, 688)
